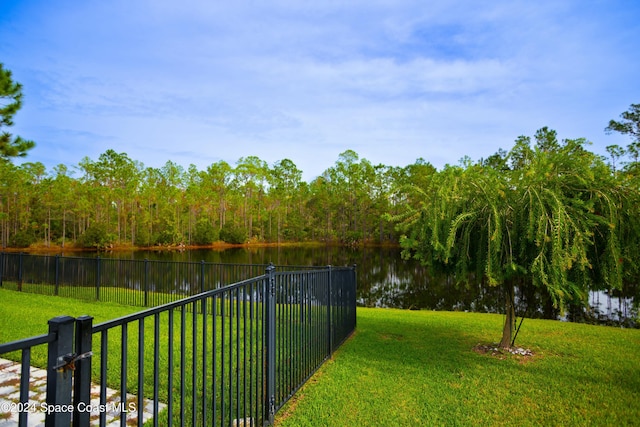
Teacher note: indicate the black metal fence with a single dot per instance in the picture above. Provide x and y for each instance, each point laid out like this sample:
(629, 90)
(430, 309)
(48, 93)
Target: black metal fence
(144, 283)
(228, 356)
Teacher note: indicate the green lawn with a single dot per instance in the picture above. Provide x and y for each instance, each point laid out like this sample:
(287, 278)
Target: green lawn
(415, 368)
(24, 314)
(114, 294)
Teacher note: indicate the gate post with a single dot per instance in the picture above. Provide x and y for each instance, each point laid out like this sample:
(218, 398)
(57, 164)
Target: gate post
(270, 331)
(58, 377)
(82, 373)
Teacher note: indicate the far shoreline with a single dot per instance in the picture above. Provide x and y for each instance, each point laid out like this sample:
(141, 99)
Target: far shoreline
(216, 246)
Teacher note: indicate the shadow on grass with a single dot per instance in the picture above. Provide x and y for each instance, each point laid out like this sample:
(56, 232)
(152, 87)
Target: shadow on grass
(415, 341)
(419, 368)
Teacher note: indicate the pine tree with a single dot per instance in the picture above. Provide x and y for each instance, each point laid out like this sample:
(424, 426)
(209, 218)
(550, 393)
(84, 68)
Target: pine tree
(10, 103)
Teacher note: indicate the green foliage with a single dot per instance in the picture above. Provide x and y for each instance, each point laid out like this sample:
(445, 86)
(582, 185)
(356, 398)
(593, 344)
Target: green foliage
(10, 103)
(548, 216)
(351, 238)
(168, 236)
(143, 238)
(23, 239)
(96, 237)
(231, 233)
(629, 125)
(205, 233)
(148, 206)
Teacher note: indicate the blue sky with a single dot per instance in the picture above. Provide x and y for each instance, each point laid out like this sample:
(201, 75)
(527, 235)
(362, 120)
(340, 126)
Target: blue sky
(196, 82)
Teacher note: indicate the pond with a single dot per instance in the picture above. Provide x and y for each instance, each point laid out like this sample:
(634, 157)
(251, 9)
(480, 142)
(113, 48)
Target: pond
(384, 279)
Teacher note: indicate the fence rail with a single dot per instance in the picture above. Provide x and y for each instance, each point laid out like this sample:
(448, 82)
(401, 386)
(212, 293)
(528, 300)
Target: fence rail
(145, 283)
(228, 356)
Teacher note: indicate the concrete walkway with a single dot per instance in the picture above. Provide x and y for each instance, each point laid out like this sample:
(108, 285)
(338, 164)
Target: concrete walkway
(10, 396)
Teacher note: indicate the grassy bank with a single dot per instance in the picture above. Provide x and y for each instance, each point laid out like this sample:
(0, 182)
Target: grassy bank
(410, 368)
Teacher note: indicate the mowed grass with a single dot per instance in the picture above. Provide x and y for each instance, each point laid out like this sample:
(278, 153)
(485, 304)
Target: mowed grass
(23, 315)
(418, 368)
(408, 368)
(114, 294)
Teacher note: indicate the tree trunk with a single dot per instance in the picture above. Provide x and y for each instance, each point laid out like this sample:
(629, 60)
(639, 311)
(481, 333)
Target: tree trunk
(510, 316)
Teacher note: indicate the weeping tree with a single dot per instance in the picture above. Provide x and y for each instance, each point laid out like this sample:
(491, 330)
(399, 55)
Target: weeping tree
(545, 216)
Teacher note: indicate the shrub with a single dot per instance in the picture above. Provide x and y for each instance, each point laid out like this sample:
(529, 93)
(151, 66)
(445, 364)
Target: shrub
(96, 236)
(168, 237)
(143, 237)
(23, 239)
(205, 233)
(233, 234)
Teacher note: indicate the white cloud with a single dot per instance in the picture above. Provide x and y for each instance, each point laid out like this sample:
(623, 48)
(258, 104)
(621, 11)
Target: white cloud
(197, 81)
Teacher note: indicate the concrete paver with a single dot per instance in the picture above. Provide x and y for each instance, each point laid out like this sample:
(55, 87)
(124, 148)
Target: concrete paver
(10, 398)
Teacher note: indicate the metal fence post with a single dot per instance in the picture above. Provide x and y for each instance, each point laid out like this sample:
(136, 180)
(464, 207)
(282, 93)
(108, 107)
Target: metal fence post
(330, 312)
(97, 278)
(82, 373)
(1, 266)
(270, 331)
(57, 284)
(352, 297)
(144, 281)
(20, 271)
(58, 376)
(202, 276)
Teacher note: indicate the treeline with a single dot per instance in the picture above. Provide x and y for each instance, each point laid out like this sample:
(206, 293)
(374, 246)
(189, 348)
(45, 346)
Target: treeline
(116, 200)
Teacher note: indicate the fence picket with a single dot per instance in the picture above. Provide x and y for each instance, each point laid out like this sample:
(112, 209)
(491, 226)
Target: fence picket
(245, 362)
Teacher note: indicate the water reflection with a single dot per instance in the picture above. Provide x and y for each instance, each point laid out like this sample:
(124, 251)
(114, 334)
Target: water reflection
(386, 280)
